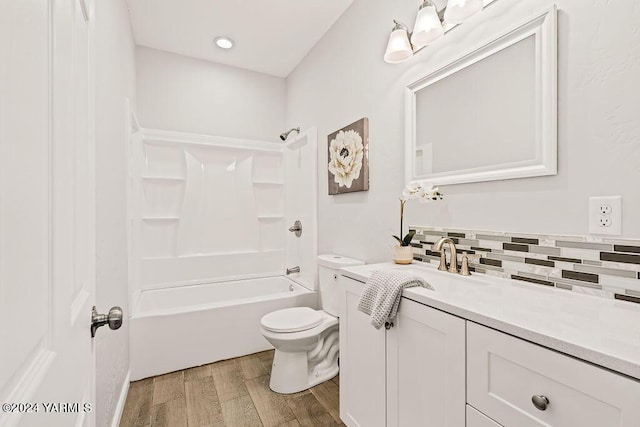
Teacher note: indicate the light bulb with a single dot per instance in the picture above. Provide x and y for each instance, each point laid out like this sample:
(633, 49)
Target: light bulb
(459, 10)
(398, 48)
(428, 27)
(224, 42)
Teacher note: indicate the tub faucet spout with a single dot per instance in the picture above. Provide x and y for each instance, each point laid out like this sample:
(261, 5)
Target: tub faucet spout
(295, 269)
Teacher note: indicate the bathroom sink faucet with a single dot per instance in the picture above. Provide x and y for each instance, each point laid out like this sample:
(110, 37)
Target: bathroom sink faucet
(295, 269)
(453, 262)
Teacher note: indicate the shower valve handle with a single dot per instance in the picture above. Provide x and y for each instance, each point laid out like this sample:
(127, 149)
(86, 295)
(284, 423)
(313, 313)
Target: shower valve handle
(296, 228)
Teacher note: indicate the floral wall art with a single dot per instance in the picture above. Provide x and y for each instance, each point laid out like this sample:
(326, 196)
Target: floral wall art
(349, 158)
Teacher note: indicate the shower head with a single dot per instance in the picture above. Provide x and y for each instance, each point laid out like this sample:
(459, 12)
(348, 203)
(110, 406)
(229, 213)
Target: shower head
(285, 135)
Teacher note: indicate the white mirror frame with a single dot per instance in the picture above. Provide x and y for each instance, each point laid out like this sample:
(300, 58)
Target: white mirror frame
(543, 28)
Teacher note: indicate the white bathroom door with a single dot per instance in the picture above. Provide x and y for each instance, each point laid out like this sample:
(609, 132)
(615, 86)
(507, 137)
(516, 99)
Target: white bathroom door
(46, 213)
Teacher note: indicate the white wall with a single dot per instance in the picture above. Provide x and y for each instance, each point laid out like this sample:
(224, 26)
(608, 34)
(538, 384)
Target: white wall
(115, 79)
(344, 78)
(192, 95)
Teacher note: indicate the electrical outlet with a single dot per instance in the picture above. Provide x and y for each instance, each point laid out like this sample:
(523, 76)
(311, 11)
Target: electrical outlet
(605, 209)
(605, 215)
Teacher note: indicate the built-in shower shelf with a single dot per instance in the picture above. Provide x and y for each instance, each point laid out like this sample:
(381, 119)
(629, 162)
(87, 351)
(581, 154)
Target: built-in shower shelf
(160, 218)
(210, 255)
(268, 217)
(163, 178)
(261, 182)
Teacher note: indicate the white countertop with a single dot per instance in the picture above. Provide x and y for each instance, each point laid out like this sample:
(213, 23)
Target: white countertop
(602, 331)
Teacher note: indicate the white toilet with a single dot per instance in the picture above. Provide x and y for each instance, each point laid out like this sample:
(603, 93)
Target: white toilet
(306, 340)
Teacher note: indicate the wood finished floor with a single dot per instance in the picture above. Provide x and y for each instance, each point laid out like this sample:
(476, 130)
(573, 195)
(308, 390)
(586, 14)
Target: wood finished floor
(230, 393)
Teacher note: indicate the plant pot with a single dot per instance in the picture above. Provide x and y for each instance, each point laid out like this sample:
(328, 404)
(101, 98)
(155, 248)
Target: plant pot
(403, 254)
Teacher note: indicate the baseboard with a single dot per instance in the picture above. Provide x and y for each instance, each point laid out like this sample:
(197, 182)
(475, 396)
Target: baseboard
(117, 416)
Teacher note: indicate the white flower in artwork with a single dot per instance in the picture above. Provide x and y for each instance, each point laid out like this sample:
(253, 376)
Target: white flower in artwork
(346, 152)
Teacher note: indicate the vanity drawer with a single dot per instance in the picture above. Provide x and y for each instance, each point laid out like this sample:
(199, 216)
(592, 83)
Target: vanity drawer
(504, 373)
(478, 419)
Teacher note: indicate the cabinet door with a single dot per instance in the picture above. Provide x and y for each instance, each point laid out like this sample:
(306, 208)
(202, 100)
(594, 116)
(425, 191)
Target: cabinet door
(362, 362)
(505, 373)
(425, 368)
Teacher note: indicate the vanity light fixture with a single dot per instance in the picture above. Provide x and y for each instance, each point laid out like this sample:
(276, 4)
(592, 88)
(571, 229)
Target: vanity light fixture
(427, 28)
(223, 42)
(399, 48)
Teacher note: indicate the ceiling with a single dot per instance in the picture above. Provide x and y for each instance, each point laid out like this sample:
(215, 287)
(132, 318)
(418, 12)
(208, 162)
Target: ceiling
(270, 37)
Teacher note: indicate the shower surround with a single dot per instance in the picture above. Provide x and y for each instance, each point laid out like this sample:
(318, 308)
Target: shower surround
(213, 211)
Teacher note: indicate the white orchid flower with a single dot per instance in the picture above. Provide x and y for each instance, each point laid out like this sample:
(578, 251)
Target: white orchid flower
(423, 192)
(428, 193)
(411, 191)
(415, 190)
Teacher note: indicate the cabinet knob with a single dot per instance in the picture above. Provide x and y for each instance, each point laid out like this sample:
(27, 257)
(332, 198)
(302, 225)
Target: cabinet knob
(540, 401)
(388, 325)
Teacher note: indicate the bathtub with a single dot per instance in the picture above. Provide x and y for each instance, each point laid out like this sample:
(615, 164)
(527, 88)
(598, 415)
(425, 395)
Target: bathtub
(177, 328)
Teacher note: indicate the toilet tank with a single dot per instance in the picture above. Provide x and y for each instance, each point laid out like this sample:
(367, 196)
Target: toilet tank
(328, 266)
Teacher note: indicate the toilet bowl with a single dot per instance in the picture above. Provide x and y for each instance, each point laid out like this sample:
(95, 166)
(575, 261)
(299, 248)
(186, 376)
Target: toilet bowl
(303, 357)
(306, 340)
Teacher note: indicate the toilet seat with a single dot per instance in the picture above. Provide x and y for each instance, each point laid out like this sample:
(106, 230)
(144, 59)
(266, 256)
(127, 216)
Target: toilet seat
(294, 319)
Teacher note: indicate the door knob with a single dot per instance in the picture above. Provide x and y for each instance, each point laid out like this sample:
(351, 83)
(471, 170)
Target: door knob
(113, 319)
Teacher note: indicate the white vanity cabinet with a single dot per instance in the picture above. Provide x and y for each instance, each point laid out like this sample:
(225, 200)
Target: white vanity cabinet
(496, 362)
(412, 374)
(436, 369)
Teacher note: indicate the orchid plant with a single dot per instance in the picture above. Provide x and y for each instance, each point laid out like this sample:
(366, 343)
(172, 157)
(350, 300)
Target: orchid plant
(415, 190)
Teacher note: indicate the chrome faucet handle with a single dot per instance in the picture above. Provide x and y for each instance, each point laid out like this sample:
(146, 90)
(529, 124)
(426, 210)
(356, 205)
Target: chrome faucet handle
(464, 268)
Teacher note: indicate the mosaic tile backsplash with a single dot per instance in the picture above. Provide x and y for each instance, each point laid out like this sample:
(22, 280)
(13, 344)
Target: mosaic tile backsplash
(604, 267)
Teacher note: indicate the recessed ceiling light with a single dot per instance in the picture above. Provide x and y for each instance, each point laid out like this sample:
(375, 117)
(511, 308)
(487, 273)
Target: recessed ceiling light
(224, 42)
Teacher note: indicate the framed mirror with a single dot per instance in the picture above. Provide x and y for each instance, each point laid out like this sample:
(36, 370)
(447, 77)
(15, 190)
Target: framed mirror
(489, 115)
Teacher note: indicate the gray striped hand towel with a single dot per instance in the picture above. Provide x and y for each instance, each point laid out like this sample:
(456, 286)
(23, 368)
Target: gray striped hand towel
(382, 293)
